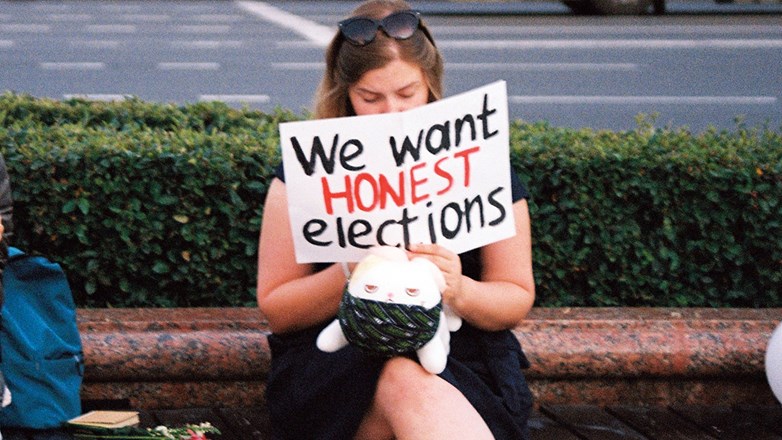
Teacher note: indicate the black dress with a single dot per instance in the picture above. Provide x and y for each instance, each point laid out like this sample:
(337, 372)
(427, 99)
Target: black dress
(316, 395)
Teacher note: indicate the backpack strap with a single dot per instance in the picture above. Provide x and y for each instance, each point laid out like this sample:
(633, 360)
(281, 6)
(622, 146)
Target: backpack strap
(14, 252)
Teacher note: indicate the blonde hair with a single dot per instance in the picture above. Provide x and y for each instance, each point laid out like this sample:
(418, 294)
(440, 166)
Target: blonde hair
(346, 63)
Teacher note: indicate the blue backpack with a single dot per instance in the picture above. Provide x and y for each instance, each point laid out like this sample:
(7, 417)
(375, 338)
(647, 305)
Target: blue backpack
(41, 356)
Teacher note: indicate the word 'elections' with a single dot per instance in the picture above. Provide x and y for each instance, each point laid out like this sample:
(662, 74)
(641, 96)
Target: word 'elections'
(446, 222)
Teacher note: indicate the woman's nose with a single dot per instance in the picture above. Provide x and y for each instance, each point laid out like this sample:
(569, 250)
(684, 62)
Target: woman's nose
(394, 105)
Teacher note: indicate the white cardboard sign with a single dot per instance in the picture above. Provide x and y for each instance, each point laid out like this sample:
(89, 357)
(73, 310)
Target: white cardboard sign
(434, 174)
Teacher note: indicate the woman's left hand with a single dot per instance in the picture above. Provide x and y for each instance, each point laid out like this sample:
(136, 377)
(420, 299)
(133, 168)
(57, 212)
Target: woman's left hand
(448, 263)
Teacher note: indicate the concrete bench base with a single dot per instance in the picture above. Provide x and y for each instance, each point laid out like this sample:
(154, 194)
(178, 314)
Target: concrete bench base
(179, 358)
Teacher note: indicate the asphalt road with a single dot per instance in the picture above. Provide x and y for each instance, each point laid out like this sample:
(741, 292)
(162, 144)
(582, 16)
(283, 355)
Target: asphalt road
(701, 65)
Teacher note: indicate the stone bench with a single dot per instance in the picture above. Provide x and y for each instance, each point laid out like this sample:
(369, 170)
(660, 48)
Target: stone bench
(207, 357)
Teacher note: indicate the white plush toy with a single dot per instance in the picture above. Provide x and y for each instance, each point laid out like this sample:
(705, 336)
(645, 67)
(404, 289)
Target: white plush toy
(391, 306)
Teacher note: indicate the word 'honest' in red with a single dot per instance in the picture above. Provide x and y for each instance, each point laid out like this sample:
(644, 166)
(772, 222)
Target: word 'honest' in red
(367, 192)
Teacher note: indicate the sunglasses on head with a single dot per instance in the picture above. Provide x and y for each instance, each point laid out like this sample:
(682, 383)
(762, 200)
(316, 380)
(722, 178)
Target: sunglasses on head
(361, 31)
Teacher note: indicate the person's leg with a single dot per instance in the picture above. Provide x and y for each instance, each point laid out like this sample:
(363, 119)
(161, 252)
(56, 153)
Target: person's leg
(374, 426)
(411, 403)
(5, 396)
(5, 393)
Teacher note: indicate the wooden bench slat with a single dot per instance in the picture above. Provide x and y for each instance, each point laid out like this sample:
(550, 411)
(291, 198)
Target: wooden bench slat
(542, 427)
(20, 434)
(591, 422)
(659, 423)
(770, 416)
(252, 422)
(724, 422)
(554, 422)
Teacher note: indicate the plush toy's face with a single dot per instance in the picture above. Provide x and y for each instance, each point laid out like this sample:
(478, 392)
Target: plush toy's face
(391, 306)
(398, 282)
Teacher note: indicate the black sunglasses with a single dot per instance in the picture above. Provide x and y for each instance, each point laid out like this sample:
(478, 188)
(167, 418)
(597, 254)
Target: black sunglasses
(361, 31)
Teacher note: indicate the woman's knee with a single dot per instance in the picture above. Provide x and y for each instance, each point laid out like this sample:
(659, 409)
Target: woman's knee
(394, 389)
(410, 398)
(404, 379)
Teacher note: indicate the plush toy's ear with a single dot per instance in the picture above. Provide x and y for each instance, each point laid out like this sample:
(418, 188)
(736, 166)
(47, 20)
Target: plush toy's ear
(389, 253)
(376, 255)
(439, 279)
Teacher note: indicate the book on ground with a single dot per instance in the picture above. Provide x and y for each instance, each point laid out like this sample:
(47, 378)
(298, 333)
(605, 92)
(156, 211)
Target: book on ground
(106, 419)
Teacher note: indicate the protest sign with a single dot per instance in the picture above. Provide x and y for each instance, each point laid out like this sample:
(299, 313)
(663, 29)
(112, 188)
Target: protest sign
(434, 174)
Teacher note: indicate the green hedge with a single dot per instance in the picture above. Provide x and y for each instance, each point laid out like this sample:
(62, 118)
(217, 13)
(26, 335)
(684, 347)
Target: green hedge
(654, 217)
(143, 204)
(160, 205)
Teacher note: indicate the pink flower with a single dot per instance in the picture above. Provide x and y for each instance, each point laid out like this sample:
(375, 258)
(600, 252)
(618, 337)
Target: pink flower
(196, 435)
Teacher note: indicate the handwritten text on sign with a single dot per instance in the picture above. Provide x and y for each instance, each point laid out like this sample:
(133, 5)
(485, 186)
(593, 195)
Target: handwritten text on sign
(434, 174)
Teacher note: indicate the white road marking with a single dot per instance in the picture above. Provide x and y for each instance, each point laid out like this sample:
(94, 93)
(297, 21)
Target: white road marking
(664, 100)
(204, 28)
(111, 28)
(207, 44)
(260, 99)
(529, 67)
(545, 67)
(188, 66)
(157, 18)
(314, 32)
(299, 66)
(613, 44)
(95, 96)
(634, 29)
(72, 66)
(120, 7)
(583, 44)
(25, 27)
